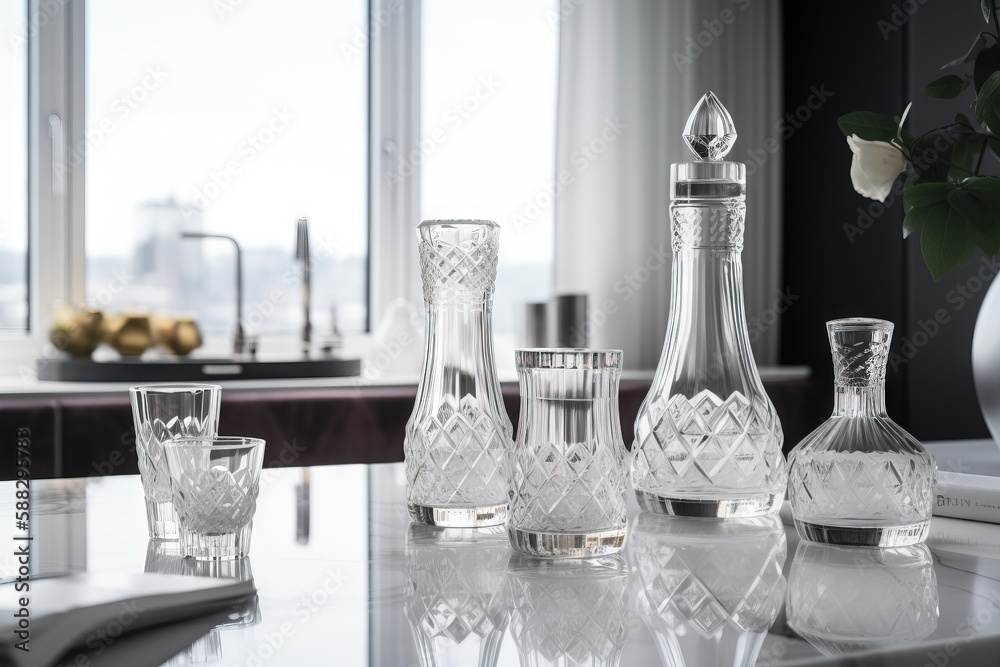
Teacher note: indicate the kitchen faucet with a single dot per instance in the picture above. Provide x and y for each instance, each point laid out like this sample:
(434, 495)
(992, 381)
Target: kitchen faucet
(239, 340)
(302, 255)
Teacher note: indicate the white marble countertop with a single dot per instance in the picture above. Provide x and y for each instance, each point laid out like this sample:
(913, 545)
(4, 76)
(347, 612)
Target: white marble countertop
(363, 590)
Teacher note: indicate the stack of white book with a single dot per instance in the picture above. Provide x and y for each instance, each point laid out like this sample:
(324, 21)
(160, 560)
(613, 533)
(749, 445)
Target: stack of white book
(968, 485)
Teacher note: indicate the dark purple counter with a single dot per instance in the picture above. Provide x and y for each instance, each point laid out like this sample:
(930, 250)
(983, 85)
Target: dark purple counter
(93, 435)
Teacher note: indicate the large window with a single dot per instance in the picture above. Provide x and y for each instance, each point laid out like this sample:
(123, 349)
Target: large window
(237, 118)
(234, 118)
(14, 166)
(488, 89)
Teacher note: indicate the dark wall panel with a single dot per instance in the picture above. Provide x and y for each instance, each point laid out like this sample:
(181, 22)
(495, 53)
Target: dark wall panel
(843, 254)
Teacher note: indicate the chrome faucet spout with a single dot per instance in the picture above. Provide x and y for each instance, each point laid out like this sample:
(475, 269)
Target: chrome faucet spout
(302, 255)
(239, 339)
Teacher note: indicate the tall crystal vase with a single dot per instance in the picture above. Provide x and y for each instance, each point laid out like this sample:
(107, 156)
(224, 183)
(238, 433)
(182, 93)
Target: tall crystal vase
(707, 438)
(459, 432)
(452, 601)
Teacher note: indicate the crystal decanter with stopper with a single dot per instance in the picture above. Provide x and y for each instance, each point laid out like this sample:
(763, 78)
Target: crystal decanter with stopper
(707, 438)
(459, 433)
(860, 479)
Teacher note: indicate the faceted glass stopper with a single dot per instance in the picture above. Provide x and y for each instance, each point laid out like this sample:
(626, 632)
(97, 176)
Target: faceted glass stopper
(709, 131)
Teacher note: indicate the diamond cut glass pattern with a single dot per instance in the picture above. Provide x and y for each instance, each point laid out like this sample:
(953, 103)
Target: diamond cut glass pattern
(707, 590)
(848, 599)
(565, 613)
(459, 432)
(707, 438)
(214, 484)
(859, 478)
(451, 599)
(567, 469)
(162, 413)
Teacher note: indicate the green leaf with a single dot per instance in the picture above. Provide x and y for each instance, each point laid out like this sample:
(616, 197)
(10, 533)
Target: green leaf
(943, 242)
(994, 143)
(868, 125)
(977, 220)
(966, 151)
(923, 195)
(984, 221)
(987, 62)
(948, 86)
(971, 54)
(988, 102)
(917, 216)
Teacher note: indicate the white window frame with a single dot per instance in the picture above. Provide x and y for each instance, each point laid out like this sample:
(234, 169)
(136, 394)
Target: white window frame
(56, 197)
(394, 130)
(56, 256)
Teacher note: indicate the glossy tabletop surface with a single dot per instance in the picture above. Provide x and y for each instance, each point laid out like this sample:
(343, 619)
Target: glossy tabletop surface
(342, 579)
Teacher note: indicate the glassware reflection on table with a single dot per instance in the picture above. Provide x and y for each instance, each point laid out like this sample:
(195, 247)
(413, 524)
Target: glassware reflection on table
(453, 576)
(162, 413)
(215, 482)
(847, 599)
(860, 479)
(459, 431)
(707, 437)
(166, 558)
(708, 590)
(568, 481)
(566, 612)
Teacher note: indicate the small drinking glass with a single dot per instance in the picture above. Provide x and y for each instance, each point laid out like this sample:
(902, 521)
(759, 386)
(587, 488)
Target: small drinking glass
(214, 483)
(567, 475)
(162, 413)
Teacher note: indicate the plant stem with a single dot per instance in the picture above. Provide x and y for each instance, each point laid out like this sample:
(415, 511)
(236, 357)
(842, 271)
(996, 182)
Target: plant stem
(982, 153)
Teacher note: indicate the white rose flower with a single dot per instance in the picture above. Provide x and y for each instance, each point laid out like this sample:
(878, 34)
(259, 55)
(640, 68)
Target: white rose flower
(874, 167)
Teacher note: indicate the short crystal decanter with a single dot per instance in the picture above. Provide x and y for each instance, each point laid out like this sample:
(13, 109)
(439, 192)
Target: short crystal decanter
(707, 438)
(860, 479)
(459, 432)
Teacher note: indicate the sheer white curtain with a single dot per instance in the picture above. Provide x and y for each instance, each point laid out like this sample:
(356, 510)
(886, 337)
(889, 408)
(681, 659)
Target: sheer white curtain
(629, 73)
